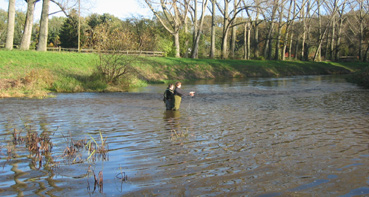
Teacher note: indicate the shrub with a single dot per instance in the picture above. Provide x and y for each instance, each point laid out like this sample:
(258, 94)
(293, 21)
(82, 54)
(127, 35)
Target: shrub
(113, 67)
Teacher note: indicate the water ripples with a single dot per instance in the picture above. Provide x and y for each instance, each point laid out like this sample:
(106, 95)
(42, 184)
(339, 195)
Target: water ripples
(301, 136)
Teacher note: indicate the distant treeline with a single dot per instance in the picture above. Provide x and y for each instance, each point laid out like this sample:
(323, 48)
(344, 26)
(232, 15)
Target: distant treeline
(312, 30)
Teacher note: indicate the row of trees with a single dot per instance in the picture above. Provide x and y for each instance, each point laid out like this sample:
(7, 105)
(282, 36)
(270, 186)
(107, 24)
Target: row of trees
(277, 29)
(97, 31)
(308, 29)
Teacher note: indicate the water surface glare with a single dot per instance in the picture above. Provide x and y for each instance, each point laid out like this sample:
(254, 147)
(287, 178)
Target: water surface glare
(300, 136)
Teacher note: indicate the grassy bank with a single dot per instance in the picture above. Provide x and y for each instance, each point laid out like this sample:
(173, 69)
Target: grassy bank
(35, 74)
(361, 77)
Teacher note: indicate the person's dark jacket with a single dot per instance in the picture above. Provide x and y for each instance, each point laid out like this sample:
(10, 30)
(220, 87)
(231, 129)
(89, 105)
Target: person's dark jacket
(179, 92)
(168, 95)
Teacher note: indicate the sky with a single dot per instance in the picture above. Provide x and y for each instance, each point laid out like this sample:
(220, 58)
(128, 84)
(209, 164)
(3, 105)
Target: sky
(119, 8)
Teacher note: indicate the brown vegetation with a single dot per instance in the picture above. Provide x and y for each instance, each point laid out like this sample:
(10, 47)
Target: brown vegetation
(35, 82)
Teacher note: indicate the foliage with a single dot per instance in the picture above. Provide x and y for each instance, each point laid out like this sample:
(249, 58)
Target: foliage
(20, 17)
(55, 26)
(69, 32)
(115, 39)
(165, 45)
(3, 25)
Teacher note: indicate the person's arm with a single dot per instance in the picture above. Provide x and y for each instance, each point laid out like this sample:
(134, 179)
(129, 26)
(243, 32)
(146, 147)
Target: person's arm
(179, 92)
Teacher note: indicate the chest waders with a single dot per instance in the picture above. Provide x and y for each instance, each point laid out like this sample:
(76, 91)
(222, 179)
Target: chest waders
(177, 102)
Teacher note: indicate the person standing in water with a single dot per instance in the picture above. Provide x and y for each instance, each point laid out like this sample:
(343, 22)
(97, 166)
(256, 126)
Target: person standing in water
(169, 97)
(178, 94)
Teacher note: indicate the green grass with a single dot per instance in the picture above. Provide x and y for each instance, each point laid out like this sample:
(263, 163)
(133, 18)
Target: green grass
(44, 72)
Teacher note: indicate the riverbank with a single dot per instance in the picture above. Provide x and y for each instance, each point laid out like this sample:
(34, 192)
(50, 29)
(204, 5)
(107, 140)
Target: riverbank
(36, 74)
(361, 78)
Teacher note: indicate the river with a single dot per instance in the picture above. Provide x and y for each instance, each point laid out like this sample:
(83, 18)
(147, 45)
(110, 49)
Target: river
(294, 136)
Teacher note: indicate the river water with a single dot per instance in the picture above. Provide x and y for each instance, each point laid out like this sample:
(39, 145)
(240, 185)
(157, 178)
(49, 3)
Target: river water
(295, 136)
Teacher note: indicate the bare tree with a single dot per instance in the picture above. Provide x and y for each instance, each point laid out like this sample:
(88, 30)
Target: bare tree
(254, 23)
(342, 18)
(228, 17)
(333, 30)
(279, 32)
(198, 27)
(306, 19)
(268, 39)
(289, 20)
(247, 38)
(247, 32)
(11, 21)
(318, 53)
(360, 16)
(175, 13)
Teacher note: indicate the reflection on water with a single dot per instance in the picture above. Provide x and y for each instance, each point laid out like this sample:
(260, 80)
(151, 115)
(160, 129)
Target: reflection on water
(269, 136)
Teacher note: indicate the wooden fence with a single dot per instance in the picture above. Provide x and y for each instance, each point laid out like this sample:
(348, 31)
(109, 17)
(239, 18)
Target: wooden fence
(128, 52)
(348, 58)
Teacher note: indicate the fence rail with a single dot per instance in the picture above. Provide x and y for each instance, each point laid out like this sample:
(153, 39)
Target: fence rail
(348, 58)
(127, 52)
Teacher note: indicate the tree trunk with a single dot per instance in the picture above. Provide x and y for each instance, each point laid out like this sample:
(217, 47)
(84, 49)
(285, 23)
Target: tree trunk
(277, 43)
(332, 56)
(279, 32)
(297, 48)
(290, 47)
(339, 33)
(187, 39)
(225, 45)
(42, 41)
(365, 59)
(285, 42)
(318, 51)
(26, 38)
(361, 39)
(194, 54)
(234, 33)
(245, 51)
(212, 47)
(332, 38)
(11, 21)
(308, 42)
(268, 44)
(361, 33)
(327, 45)
(318, 56)
(256, 33)
(177, 44)
(285, 39)
(225, 31)
(303, 35)
(247, 38)
(233, 42)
